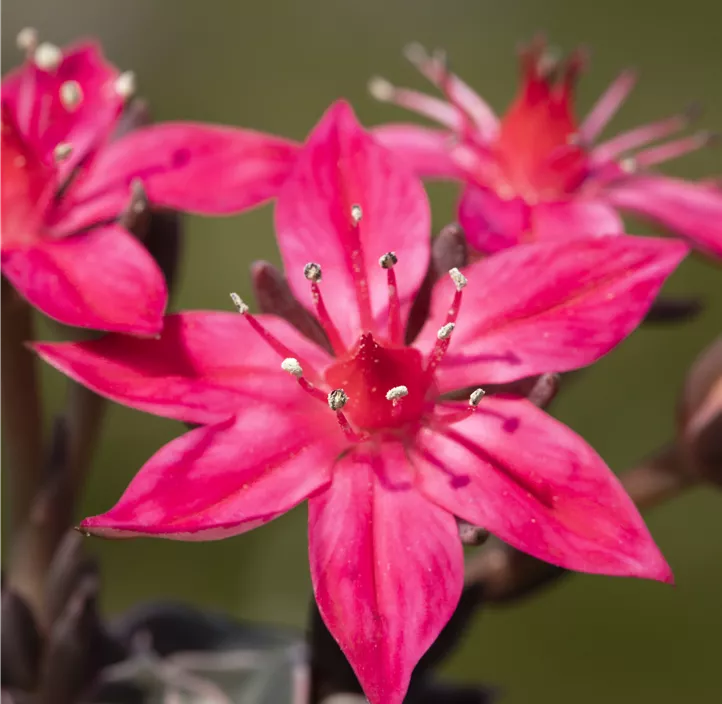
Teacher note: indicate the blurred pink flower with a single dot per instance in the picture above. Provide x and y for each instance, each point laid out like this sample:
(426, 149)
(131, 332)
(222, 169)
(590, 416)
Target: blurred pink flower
(392, 462)
(64, 185)
(536, 174)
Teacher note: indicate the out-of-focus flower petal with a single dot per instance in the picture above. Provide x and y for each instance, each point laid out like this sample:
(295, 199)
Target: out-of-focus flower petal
(568, 220)
(491, 223)
(427, 151)
(202, 368)
(387, 568)
(341, 166)
(190, 167)
(690, 209)
(538, 486)
(548, 307)
(224, 479)
(102, 279)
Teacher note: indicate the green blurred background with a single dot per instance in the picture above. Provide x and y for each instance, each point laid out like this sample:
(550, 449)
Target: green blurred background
(275, 66)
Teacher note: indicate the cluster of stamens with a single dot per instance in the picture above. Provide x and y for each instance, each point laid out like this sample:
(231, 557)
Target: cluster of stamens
(338, 398)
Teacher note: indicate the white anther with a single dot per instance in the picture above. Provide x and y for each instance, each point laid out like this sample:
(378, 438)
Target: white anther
(125, 85)
(47, 56)
(337, 399)
(396, 393)
(416, 53)
(381, 89)
(292, 366)
(62, 151)
(71, 94)
(239, 304)
(356, 213)
(458, 278)
(628, 165)
(27, 39)
(312, 271)
(476, 397)
(388, 260)
(445, 331)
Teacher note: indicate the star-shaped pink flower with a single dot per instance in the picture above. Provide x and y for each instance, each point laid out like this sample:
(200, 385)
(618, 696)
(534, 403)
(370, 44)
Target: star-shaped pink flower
(536, 174)
(65, 184)
(364, 428)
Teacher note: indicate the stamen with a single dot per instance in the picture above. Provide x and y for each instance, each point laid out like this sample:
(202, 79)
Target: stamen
(357, 213)
(47, 56)
(445, 331)
(443, 336)
(71, 95)
(270, 340)
(337, 399)
(312, 271)
(462, 413)
(62, 151)
(125, 85)
(381, 89)
(292, 366)
(27, 39)
(674, 149)
(397, 393)
(388, 261)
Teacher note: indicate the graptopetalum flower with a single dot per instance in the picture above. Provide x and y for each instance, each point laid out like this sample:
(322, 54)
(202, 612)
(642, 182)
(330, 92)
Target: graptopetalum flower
(537, 174)
(366, 433)
(64, 185)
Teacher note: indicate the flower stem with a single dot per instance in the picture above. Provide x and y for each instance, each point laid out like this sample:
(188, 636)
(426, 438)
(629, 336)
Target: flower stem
(21, 407)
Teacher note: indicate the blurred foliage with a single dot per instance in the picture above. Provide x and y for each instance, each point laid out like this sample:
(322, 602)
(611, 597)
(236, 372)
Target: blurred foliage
(275, 66)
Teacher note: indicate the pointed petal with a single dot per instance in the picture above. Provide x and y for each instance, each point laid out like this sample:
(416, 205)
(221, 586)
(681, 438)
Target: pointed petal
(538, 486)
(340, 166)
(428, 152)
(33, 97)
(202, 368)
(693, 210)
(102, 279)
(491, 223)
(223, 479)
(548, 307)
(387, 568)
(189, 167)
(568, 220)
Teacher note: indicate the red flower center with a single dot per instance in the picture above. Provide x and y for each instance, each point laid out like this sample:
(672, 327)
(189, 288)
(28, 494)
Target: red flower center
(536, 152)
(369, 372)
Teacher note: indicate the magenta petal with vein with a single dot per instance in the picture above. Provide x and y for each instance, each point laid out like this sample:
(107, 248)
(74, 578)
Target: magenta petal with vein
(341, 166)
(202, 368)
(518, 321)
(224, 479)
(538, 486)
(387, 567)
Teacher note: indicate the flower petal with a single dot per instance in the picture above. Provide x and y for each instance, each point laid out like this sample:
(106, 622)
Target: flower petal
(690, 209)
(491, 223)
(102, 279)
(33, 97)
(538, 486)
(426, 151)
(387, 568)
(224, 479)
(340, 166)
(548, 307)
(202, 368)
(566, 220)
(189, 167)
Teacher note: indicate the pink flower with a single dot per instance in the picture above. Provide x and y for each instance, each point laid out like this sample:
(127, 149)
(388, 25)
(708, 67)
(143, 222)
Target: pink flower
(64, 185)
(538, 175)
(362, 427)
